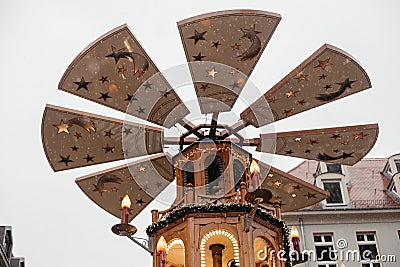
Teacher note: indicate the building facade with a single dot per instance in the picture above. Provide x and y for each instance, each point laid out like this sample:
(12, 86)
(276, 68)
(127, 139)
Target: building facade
(359, 223)
(7, 258)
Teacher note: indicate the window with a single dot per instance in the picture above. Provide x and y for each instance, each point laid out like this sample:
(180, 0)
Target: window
(324, 250)
(8, 243)
(238, 174)
(397, 163)
(334, 168)
(214, 176)
(335, 190)
(368, 249)
(188, 176)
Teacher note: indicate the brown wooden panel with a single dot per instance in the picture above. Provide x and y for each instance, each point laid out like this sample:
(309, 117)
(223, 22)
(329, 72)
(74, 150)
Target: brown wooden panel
(113, 68)
(292, 192)
(142, 181)
(235, 39)
(73, 139)
(341, 145)
(327, 75)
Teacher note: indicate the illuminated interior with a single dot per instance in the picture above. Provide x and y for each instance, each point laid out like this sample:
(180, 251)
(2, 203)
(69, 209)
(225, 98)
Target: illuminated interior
(175, 253)
(219, 236)
(263, 254)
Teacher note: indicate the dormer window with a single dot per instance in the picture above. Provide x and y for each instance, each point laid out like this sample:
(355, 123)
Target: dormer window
(334, 168)
(335, 190)
(397, 163)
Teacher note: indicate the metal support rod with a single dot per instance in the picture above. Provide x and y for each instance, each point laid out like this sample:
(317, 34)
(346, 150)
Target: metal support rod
(148, 248)
(214, 121)
(248, 218)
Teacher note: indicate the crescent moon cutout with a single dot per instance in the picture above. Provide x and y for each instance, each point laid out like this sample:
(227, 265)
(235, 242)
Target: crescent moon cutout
(255, 46)
(107, 178)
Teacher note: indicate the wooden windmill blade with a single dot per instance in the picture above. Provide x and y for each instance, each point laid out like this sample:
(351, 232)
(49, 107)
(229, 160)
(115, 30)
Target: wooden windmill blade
(142, 181)
(113, 68)
(327, 75)
(230, 43)
(291, 192)
(340, 145)
(73, 139)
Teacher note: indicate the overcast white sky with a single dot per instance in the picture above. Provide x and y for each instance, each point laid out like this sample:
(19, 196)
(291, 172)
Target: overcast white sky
(54, 223)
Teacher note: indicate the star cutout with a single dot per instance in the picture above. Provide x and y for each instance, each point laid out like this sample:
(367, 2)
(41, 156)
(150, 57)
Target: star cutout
(307, 151)
(158, 184)
(139, 202)
(108, 133)
(359, 135)
(212, 72)
(271, 175)
(235, 85)
(114, 189)
(77, 135)
(301, 102)
(142, 169)
(346, 84)
(297, 187)
(289, 152)
(323, 76)
(235, 46)
(345, 143)
(130, 98)
(140, 110)
(65, 160)
(313, 142)
(147, 85)
(216, 44)
(277, 183)
(323, 64)
(199, 57)
(108, 148)
(335, 136)
(328, 86)
(89, 158)
(336, 150)
(117, 54)
(104, 96)
(165, 93)
(272, 99)
(62, 127)
(127, 131)
(99, 189)
(310, 195)
(233, 72)
(301, 77)
(286, 112)
(82, 84)
(103, 79)
(297, 139)
(198, 36)
(204, 86)
(74, 148)
(291, 93)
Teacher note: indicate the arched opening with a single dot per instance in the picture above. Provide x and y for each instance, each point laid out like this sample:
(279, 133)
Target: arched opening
(188, 176)
(214, 176)
(219, 248)
(264, 255)
(238, 174)
(175, 253)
